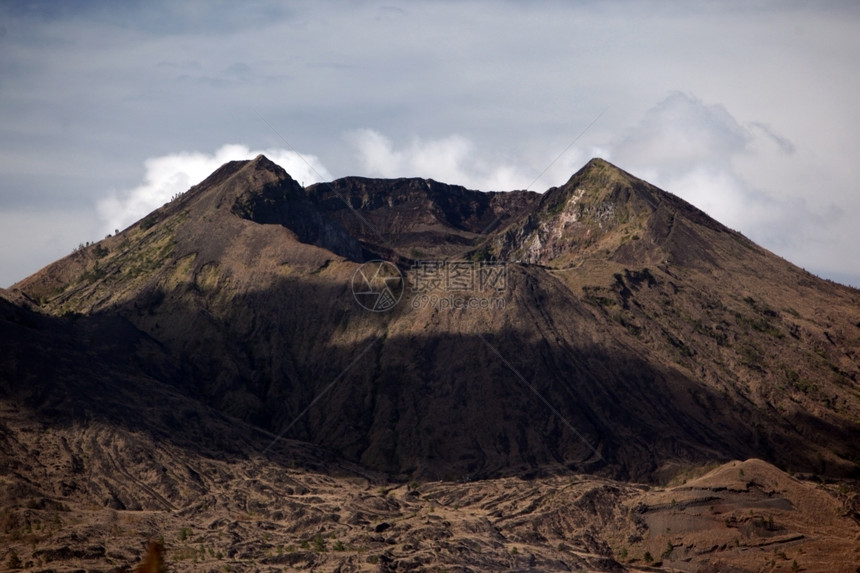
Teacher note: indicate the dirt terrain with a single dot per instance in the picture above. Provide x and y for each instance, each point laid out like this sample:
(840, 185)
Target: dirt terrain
(208, 378)
(250, 513)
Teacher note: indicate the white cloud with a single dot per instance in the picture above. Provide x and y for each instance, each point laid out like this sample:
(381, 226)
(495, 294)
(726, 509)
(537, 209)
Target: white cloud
(456, 159)
(175, 173)
(744, 174)
(682, 132)
(450, 159)
(92, 90)
(690, 149)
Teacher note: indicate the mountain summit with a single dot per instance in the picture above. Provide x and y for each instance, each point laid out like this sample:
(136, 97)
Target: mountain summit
(615, 329)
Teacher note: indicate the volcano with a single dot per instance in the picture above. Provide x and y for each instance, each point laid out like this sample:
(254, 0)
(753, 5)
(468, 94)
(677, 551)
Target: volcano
(605, 328)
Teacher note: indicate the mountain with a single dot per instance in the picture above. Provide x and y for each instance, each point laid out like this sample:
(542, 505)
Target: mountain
(604, 328)
(655, 335)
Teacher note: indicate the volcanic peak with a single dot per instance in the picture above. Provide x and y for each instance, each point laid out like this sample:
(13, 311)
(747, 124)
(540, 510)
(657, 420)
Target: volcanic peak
(647, 323)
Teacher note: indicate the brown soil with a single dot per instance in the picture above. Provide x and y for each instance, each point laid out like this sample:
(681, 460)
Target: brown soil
(64, 509)
(143, 379)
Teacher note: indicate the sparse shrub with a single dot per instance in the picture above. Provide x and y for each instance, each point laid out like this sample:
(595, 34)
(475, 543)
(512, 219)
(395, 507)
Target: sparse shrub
(647, 557)
(484, 253)
(338, 546)
(100, 251)
(94, 274)
(667, 553)
(148, 222)
(305, 544)
(319, 543)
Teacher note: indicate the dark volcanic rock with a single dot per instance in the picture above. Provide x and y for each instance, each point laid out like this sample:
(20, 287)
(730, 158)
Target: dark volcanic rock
(631, 333)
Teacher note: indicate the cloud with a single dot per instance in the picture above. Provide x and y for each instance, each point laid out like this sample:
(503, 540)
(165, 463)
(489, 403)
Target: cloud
(456, 159)
(92, 90)
(681, 131)
(167, 175)
(747, 176)
(784, 144)
(692, 149)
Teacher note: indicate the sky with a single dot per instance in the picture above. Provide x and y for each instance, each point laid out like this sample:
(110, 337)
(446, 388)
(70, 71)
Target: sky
(748, 110)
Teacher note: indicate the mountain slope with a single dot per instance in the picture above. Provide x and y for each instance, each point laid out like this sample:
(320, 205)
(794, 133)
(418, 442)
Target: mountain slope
(98, 457)
(631, 334)
(416, 217)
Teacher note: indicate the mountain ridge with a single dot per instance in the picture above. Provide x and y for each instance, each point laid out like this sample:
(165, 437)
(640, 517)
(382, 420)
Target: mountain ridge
(207, 377)
(253, 264)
